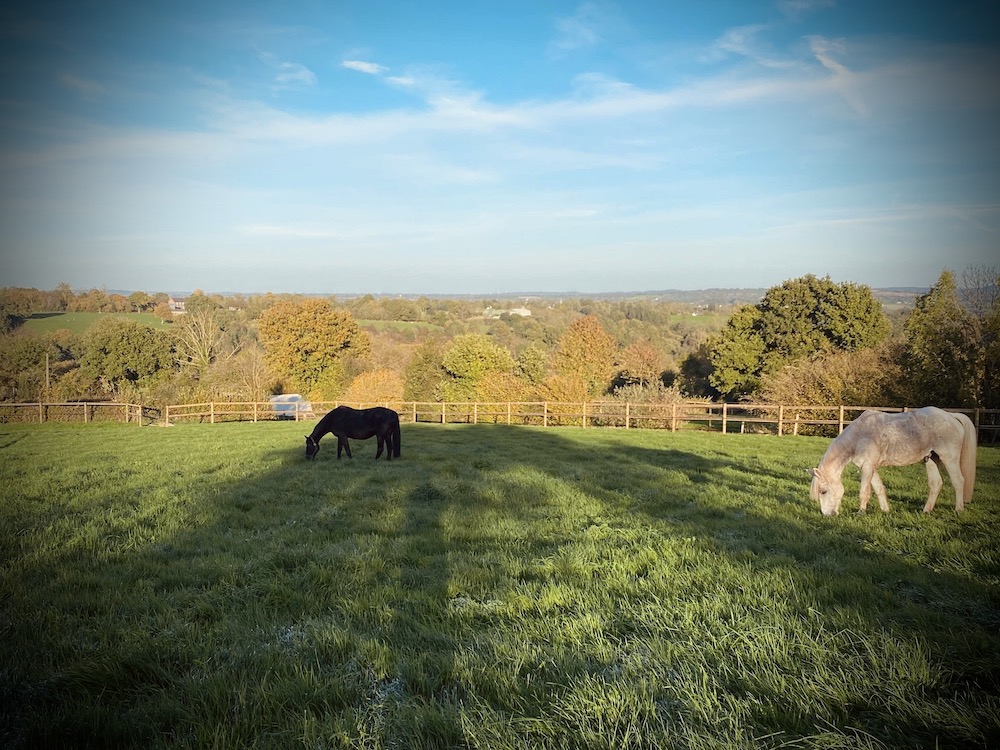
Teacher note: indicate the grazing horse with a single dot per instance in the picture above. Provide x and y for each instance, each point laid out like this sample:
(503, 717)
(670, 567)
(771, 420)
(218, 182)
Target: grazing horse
(345, 422)
(875, 439)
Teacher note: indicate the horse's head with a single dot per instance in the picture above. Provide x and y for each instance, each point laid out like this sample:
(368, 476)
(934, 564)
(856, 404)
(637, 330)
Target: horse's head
(827, 490)
(312, 447)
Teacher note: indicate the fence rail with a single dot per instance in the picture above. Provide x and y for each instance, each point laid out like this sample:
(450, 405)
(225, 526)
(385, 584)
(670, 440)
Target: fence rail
(77, 411)
(780, 419)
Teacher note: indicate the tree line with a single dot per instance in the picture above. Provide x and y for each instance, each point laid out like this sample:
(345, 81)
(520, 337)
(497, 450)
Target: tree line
(809, 340)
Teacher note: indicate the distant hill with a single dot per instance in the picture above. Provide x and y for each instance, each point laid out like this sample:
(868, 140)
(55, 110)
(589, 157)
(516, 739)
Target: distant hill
(706, 297)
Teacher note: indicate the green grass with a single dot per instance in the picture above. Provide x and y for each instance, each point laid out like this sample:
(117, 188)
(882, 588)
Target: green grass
(400, 326)
(204, 586)
(79, 322)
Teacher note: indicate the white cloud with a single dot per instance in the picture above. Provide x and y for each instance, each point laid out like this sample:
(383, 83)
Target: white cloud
(293, 74)
(362, 66)
(843, 79)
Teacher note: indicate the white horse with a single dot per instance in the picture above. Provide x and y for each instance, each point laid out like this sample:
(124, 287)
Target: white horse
(875, 439)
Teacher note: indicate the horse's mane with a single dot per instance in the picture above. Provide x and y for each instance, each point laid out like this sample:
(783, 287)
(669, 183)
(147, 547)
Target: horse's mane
(842, 447)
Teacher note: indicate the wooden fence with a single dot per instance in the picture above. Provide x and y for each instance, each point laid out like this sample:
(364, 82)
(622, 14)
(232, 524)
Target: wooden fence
(90, 411)
(779, 419)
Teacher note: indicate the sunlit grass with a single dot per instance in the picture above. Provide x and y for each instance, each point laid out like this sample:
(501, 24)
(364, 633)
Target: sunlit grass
(498, 587)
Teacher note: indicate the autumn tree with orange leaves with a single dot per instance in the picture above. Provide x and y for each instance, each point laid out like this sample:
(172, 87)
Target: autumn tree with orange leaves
(586, 352)
(306, 342)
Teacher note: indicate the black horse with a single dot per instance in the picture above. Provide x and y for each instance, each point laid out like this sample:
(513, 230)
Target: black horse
(345, 422)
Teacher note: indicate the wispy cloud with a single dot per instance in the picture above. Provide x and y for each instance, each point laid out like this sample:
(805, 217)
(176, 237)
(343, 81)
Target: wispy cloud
(590, 25)
(747, 41)
(844, 81)
(84, 87)
(363, 66)
(294, 74)
(288, 75)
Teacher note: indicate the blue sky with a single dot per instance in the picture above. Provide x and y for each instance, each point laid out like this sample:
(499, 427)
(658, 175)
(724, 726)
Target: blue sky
(485, 147)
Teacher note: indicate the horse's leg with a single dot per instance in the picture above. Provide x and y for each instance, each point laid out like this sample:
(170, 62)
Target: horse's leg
(954, 469)
(340, 446)
(883, 500)
(866, 487)
(347, 447)
(935, 482)
(381, 444)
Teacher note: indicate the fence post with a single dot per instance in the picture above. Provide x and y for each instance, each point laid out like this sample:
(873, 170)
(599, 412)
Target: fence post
(254, 411)
(626, 414)
(545, 414)
(840, 425)
(508, 412)
(781, 417)
(725, 417)
(475, 412)
(584, 415)
(673, 417)
(211, 413)
(444, 417)
(414, 412)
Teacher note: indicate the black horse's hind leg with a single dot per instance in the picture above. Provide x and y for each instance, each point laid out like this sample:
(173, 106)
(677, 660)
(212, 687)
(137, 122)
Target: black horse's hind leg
(381, 447)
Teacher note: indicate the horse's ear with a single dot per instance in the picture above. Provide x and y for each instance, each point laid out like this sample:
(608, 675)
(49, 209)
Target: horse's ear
(812, 472)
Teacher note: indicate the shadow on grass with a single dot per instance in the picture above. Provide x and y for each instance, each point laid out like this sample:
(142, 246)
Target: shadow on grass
(336, 602)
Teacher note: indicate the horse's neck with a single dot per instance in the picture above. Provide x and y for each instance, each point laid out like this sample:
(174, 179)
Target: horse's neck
(838, 455)
(319, 431)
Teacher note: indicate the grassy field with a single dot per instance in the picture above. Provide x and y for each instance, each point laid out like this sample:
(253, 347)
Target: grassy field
(204, 586)
(79, 322)
(400, 326)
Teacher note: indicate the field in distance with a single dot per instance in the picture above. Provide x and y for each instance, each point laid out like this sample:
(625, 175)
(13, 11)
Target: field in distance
(497, 587)
(79, 322)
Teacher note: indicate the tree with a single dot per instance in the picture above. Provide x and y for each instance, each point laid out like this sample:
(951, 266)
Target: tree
(867, 376)
(469, 359)
(120, 351)
(383, 386)
(796, 319)
(306, 341)
(243, 376)
(586, 352)
(199, 338)
(981, 292)
(530, 364)
(424, 372)
(943, 348)
(639, 364)
(22, 365)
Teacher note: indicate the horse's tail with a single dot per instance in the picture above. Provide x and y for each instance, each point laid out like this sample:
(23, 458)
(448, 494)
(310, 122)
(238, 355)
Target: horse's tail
(968, 460)
(395, 436)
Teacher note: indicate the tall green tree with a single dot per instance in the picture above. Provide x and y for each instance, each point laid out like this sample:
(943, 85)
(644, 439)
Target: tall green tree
(424, 372)
(22, 365)
(306, 341)
(943, 348)
(795, 319)
(120, 351)
(471, 358)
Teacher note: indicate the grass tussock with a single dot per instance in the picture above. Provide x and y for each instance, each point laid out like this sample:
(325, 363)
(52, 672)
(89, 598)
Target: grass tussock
(498, 587)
